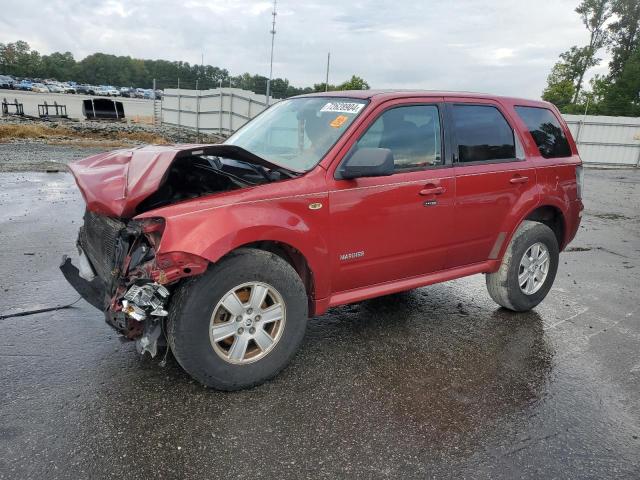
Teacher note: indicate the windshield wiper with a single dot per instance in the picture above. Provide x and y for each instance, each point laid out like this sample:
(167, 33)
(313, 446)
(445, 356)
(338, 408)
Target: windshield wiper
(263, 167)
(286, 173)
(258, 169)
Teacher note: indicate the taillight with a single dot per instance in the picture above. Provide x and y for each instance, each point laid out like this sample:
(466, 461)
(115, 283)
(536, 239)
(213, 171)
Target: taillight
(579, 180)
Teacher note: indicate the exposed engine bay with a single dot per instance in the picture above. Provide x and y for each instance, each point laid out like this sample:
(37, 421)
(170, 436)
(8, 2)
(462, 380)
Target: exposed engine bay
(120, 271)
(196, 176)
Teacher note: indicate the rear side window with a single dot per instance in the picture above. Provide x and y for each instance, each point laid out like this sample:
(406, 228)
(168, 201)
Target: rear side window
(546, 131)
(482, 134)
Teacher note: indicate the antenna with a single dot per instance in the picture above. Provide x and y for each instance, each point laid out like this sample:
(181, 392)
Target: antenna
(273, 37)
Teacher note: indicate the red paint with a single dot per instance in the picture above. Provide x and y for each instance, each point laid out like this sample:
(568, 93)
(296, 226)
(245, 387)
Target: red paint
(405, 244)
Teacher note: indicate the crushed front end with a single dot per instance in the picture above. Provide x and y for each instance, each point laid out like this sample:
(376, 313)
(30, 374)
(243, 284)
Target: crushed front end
(122, 272)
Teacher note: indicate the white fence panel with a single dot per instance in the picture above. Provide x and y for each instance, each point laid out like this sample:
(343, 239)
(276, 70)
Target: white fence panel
(220, 110)
(600, 139)
(606, 140)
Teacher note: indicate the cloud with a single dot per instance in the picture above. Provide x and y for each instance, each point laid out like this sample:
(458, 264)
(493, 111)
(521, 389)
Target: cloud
(502, 46)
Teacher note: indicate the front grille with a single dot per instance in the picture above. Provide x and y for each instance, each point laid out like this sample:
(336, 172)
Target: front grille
(99, 239)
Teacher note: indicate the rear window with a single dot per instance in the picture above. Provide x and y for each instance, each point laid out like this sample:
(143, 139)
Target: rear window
(546, 131)
(482, 134)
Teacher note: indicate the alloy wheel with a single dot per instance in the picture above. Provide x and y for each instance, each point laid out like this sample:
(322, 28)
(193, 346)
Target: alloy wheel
(534, 268)
(247, 323)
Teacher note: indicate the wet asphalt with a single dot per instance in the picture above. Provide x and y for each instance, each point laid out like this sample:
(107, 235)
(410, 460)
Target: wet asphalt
(433, 383)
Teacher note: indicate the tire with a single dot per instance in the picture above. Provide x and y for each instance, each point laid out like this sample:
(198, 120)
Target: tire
(191, 316)
(504, 286)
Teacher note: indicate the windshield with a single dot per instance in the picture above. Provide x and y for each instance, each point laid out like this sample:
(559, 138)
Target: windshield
(297, 133)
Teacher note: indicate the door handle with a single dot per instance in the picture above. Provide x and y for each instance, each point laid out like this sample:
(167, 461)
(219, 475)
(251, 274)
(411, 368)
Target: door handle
(432, 190)
(518, 179)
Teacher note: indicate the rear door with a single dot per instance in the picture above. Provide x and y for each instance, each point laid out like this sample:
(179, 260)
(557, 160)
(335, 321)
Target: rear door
(388, 228)
(493, 179)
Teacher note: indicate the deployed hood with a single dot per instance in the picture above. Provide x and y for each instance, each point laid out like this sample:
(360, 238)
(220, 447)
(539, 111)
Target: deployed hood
(115, 183)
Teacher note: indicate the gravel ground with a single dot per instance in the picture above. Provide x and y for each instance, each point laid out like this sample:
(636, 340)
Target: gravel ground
(38, 156)
(434, 383)
(46, 154)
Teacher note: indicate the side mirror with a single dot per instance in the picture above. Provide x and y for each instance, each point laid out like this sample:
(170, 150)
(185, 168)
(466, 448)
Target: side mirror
(368, 162)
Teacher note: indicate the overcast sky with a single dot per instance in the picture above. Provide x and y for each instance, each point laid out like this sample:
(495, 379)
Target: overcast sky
(500, 46)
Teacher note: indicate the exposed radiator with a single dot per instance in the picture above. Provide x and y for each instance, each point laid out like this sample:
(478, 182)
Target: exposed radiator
(98, 238)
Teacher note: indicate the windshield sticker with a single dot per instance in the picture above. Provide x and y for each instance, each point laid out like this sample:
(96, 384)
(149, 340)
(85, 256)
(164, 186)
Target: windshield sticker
(343, 107)
(339, 121)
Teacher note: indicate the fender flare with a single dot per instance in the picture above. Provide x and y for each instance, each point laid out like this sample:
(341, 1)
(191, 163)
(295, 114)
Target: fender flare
(549, 203)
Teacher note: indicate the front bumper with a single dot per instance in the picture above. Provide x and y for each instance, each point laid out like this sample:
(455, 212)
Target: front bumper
(94, 291)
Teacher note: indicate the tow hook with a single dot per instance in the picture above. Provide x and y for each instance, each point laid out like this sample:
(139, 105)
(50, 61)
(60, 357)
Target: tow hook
(146, 302)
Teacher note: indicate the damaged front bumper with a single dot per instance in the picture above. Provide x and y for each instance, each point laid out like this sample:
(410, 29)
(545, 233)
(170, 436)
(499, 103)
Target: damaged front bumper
(92, 291)
(120, 273)
(139, 312)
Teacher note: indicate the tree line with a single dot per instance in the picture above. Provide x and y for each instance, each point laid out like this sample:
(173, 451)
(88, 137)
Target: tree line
(613, 26)
(19, 60)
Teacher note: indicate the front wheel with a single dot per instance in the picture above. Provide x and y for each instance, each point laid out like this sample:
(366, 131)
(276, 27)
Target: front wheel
(528, 268)
(241, 322)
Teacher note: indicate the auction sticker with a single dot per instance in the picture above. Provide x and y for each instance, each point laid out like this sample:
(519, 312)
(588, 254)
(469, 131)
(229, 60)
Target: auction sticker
(343, 107)
(339, 121)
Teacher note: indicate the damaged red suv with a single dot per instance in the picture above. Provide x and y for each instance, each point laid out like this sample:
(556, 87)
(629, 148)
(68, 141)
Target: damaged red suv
(224, 251)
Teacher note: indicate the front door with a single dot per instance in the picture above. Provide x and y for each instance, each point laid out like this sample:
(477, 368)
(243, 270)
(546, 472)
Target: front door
(388, 228)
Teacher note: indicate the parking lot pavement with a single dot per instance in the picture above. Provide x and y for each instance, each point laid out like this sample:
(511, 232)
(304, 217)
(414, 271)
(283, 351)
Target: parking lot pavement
(437, 382)
(31, 100)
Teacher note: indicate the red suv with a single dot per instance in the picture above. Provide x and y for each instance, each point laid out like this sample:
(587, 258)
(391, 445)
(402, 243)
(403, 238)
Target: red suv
(226, 250)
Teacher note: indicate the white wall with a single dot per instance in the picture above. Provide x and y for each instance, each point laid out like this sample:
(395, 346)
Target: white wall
(220, 110)
(600, 139)
(606, 140)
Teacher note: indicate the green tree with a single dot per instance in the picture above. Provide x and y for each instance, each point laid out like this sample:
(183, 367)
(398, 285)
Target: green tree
(58, 65)
(322, 87)
(624, 33)
(99, 68)
(560, 88)
(567, 75)
(354, 83)
(18, 59)
(594, 14)
(622, 96)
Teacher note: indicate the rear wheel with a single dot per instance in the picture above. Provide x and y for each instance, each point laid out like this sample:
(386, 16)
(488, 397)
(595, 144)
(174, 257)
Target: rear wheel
(528, 268)
(241, 322)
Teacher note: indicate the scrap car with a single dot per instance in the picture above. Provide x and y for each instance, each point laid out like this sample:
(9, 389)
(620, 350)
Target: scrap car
(223, 252)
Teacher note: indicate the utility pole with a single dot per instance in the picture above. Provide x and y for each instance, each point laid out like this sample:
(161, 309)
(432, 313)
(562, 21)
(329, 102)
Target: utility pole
(326, 83)
(273, 37)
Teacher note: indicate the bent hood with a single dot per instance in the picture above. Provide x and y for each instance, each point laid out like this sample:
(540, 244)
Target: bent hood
(115, 183)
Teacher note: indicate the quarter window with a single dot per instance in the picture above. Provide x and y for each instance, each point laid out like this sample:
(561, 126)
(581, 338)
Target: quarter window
(482, 134)
(546, 131)
(412, 133)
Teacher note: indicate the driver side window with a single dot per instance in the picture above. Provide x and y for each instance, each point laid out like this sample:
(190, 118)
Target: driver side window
(412, 133)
